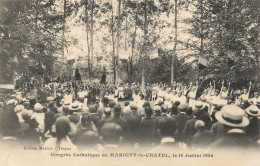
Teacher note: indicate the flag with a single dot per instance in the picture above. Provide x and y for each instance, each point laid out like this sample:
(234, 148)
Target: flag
(203, 62)
(154, 53)
(124, 54)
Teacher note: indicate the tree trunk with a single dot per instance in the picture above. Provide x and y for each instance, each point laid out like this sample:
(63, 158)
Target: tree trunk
(113, 43)
(145, 40)
(87, 32)
(175, 41)
(133, 46)
(63, 31)
(92, 34)
(118, 41)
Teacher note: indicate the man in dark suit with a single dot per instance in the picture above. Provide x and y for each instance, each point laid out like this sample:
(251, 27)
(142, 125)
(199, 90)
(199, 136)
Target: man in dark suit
(189, 128)
(234, 120)
(202, 138)
(111, 135)
(133, 123)
(164, 117)
(134, 111)
(146, 128)
(166, 129)
(253, 129)
(118, 120)
(107, 113)
(94, 116)
(181, 118)
(218, 130)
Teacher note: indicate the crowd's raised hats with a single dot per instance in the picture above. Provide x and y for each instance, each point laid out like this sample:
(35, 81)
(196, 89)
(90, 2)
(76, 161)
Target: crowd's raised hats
(233, 116)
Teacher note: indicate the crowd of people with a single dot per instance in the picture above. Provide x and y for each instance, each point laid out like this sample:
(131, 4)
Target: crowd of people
(98, 117)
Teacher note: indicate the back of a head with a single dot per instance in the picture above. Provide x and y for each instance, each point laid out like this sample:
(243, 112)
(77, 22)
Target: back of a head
(117, 110)
(127, 103)
(167, 128)
(8, 122)
(146, 104)
(164, 108)
(89, 138)
(177, 103)
(63, 127)
(148, 111)
(105, 101)
(112, 104)
(92, 109)
(111, 133)
(107, 111)
(85, 119)
(199, 125)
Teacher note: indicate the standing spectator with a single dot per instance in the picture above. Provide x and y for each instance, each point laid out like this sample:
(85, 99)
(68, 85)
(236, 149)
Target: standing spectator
(62, 126)
(233, 118)
(202, 138)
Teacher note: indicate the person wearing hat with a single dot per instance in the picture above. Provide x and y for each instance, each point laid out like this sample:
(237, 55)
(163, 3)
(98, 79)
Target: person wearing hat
(39, 116)
(234, 120)
(18, 109)
(202, 138)
(74, 109)
(217, 128)
(253, 129)
(30, 136)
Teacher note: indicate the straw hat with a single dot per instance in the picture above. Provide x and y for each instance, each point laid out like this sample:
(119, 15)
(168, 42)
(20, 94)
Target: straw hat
(233, 116)
(252, 110)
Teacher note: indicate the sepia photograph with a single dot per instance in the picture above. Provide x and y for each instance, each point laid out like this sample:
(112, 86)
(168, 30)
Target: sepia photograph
(129, 82)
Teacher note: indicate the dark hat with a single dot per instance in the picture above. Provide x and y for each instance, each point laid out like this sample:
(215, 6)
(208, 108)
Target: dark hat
(117, 108)
(148, 110)
(183, 107)
(146, 104)
(112, 104)
(92, 109)
(160, 102)
(9, 123)
(105, 100)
